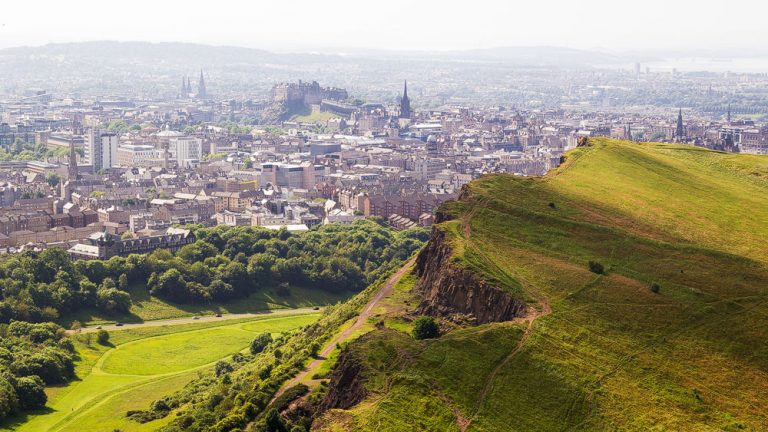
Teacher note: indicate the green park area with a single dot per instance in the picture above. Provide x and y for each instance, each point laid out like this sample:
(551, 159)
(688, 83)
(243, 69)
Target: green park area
(142, 364)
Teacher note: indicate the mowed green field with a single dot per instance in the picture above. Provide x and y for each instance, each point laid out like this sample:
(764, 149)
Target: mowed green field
(148, 308)
(612, 354)
(145, 364)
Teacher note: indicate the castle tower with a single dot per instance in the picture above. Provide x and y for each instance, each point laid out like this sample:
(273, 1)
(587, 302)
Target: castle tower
(201, 92)
(405, 103)
(679, 131)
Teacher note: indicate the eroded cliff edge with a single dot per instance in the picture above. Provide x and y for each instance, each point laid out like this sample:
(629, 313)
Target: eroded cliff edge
(346, 388)
(448, 290)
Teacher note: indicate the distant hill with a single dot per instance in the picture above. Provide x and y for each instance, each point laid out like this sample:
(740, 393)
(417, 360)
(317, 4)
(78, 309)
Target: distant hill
(127, 52)
(625, 290)
(106, 68)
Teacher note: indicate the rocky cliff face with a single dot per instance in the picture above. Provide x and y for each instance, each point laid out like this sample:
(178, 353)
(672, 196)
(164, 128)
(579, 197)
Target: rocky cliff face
(448, 290)
(346, 387)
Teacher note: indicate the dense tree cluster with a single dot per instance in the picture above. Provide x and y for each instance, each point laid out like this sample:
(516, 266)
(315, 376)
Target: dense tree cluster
(227, 263)
(223, 264)
(21, 150)
(31, 356)
(39, 287)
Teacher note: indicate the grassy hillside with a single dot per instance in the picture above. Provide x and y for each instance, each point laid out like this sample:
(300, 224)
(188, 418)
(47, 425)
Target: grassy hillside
(604, 352)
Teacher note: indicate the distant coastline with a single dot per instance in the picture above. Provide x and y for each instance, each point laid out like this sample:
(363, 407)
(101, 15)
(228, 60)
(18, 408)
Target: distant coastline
(701, 64)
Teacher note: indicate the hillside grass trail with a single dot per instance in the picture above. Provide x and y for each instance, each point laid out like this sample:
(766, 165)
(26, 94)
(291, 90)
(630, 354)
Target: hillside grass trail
(367, 312)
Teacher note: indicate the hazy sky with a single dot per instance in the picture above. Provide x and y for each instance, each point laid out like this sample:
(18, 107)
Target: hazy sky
(612, 25)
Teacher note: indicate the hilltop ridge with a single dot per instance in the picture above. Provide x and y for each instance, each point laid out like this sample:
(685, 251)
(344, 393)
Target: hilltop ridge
(644, 276)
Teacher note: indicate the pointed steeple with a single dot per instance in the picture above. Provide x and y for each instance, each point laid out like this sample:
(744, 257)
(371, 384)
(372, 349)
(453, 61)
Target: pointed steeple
(201, 92)
(72, 168)
(728, 117)
(679, 131)
(405, 103)
(184, 91)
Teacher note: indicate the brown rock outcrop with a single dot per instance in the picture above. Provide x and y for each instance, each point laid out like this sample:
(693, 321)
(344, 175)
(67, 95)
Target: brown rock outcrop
(448, 290)
(346, 387)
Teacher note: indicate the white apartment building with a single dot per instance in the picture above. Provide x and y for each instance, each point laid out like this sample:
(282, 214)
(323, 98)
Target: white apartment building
(186, 151)
(101, 149)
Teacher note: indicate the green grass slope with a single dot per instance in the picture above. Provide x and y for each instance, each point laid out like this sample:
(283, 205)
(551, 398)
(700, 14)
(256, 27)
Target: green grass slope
(611, 354)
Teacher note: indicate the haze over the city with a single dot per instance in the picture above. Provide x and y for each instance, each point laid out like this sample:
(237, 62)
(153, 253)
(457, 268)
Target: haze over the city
(656, 26)
(338, 215)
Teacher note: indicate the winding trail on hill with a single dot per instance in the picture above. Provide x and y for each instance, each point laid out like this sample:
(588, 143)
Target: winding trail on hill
(367, 312)
(532, 314)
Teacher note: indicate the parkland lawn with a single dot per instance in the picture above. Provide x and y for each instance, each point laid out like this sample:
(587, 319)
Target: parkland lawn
(149, 308)
(145, 364)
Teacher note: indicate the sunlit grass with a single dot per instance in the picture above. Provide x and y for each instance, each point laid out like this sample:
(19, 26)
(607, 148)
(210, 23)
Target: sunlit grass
(612, 355)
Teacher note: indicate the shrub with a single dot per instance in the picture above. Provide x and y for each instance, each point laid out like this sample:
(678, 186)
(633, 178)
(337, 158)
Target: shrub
(274, 422)
(102, 337)
(223, 367)
(596, 267)
(425, 327)
(260, 342)
(655, 288)
(281, 402)
(265, 372)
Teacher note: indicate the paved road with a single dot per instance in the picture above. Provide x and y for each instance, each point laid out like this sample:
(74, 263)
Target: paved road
(189, 320)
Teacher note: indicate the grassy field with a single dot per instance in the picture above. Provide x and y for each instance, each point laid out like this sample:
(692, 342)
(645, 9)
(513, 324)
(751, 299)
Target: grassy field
(144, 364)
(313, 117)
(612, 354)
(147, 308)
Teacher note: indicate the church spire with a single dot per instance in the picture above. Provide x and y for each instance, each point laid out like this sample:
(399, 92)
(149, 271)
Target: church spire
(728, 118)
(405, 103)
(679, 131)
(72, 168)
(201, 92)
(184, 93)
